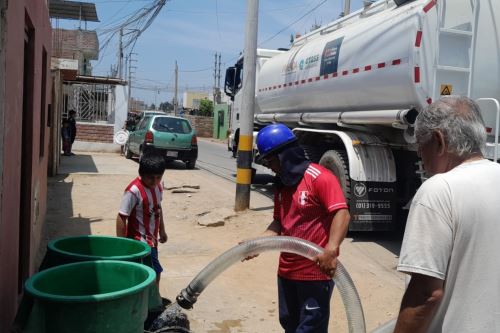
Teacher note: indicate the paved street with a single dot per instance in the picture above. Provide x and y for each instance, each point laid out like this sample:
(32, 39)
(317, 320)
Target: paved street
(215, 158)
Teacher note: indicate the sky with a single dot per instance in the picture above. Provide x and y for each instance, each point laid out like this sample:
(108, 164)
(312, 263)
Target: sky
(192, 31)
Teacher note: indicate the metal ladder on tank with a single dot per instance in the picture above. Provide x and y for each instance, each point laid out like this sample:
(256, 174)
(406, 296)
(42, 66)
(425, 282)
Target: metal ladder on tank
(467, 36)
(491, 149)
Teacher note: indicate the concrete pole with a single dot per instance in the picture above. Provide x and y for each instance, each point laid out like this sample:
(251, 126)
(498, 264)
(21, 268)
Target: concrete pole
(218, 82)
(130, 79)
(347, 7)
(120, 56)
(129, 83)
(215, 80)
(176, 88)
(244, 165)
(156, 92)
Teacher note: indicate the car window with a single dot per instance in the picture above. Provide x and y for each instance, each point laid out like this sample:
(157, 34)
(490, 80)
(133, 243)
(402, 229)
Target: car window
(144, 123)
(173, 125)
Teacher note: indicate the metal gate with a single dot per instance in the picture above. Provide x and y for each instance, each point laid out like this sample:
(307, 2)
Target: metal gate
(91, 102)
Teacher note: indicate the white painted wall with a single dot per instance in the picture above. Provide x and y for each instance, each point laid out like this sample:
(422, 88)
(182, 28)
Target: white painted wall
(121, 107)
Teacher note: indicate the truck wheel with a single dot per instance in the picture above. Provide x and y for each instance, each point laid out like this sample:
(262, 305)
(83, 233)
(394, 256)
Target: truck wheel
(312, 153)
(336, 161)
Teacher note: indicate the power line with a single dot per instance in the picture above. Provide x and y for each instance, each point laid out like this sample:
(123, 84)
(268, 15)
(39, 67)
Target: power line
(134, 24)
(297, 20)
(196, 70)
(232, 12)
(128, 2)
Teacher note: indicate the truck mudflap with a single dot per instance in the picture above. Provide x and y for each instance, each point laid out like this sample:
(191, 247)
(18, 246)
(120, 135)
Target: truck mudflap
(373, 206)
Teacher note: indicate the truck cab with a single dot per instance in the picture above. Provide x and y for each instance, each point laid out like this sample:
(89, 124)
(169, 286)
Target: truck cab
(233, 88)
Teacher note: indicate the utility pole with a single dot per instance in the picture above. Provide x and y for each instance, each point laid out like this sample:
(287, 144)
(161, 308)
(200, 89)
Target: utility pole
(176, 88)
(120, 55)
(156, 93)
(244, 165)
(215, 80)
(126, 67)
(347, 7)
(216, 89)
(218, 82)
(130, 79)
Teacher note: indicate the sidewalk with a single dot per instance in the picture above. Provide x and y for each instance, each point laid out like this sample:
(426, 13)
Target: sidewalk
(242, 299)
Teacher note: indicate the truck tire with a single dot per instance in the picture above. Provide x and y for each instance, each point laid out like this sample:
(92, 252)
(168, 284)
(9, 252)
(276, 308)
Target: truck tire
(336, 161)
(312, 153)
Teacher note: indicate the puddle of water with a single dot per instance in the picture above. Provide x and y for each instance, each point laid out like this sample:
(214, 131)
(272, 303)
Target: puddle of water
(225, 326)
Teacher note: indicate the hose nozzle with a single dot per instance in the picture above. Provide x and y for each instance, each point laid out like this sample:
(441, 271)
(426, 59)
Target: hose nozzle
(186, 298)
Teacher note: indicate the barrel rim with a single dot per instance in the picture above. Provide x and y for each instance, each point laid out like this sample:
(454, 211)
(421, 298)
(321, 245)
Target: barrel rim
(30, 288)
(147, 249)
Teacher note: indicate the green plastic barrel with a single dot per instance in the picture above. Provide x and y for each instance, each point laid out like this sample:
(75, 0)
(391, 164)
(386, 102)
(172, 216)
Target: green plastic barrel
(90, 297)
(85, 248)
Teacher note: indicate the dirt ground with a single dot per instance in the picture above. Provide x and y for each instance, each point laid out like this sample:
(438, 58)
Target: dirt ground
(85, 200)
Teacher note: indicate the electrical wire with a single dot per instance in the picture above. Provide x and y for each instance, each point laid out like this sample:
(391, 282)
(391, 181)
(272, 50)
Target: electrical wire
(233, 12)
(295, 21)
(136, 23)
(196, 70)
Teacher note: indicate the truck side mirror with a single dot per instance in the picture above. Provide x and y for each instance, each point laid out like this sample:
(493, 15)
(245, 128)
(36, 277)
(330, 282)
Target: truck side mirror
(229, 82)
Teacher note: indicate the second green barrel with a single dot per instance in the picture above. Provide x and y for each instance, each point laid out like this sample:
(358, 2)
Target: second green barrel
(85, 248)
(90, 297)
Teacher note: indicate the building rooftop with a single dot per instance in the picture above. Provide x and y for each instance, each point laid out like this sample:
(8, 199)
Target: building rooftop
(73, 10)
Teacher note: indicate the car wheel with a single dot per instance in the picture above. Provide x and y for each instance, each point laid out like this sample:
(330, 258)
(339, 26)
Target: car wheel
(190, 164)
(128, 153)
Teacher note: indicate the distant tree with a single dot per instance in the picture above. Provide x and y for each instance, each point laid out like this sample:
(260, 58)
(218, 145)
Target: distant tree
(166, 106)
(206, 108)
(152, 106)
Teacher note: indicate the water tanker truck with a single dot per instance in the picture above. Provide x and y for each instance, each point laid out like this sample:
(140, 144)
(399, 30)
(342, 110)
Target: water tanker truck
(352, 89)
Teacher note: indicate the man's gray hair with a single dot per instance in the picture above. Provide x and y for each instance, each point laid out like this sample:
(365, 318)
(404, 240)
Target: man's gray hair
(458, 119)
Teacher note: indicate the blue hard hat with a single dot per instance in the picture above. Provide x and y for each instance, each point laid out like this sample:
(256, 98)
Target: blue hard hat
(273, 137)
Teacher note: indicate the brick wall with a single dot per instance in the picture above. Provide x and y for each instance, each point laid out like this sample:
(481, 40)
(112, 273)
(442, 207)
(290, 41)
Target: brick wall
(202, 125)
(94, 132)
(69, 44)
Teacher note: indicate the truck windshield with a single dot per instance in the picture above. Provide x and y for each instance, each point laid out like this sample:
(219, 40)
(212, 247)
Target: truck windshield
(173, 125)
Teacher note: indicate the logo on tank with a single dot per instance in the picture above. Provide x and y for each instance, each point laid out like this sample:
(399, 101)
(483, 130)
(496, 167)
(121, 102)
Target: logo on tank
(309, 62)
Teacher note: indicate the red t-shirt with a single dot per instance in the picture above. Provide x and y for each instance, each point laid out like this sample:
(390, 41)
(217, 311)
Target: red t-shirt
(306, 212)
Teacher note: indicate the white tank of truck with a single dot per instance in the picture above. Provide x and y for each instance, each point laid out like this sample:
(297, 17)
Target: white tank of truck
(387, 57)
(351, 91)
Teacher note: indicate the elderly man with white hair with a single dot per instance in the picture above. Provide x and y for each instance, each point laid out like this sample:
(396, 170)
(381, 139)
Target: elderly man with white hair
(452, 237)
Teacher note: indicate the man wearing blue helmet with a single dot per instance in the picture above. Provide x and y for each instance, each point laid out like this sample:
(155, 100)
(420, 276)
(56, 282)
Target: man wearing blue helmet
(308, 204)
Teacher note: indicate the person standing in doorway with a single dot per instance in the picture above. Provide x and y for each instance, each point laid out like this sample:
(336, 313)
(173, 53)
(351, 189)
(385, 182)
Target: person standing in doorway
(308, 204)
(66, 137)
(72, 126)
